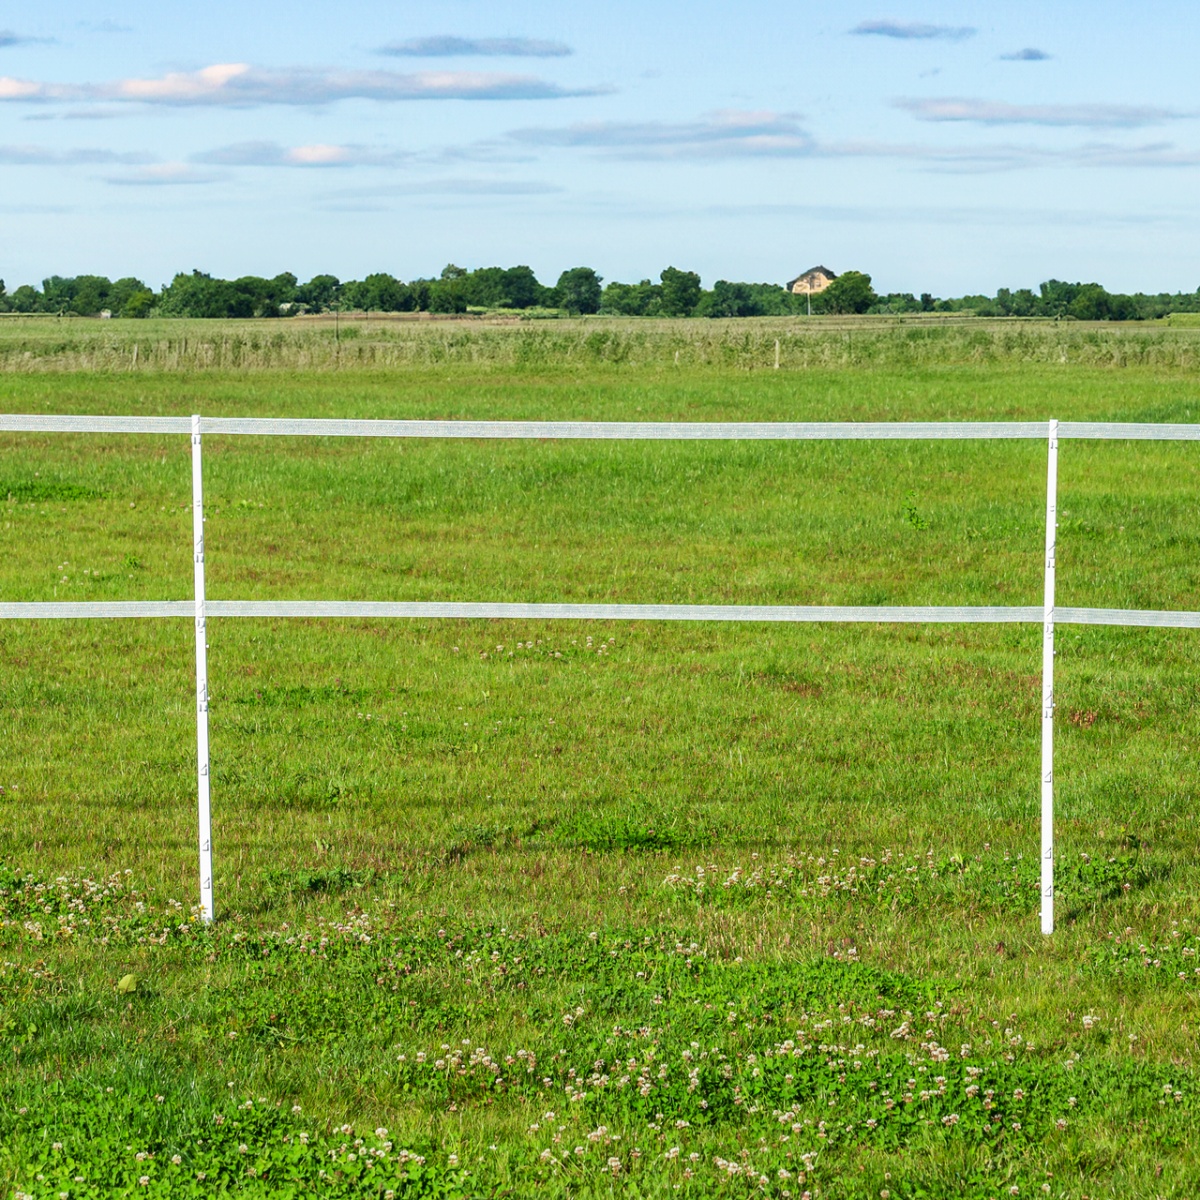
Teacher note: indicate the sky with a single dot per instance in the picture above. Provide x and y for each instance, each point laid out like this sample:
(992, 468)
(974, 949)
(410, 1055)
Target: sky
(945, 147)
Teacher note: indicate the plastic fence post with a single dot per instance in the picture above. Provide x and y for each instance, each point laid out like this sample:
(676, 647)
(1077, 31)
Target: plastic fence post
(1047, 882)
(202, 765)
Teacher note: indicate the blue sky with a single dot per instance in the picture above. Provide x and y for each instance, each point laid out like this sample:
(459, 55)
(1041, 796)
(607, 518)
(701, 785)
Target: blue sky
(943, 147)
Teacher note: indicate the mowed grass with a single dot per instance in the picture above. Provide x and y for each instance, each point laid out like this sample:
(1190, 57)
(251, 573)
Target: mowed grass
(747, 908)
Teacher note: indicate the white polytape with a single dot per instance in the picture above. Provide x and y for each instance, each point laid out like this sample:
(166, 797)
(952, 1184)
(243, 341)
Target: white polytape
(37, 423)
(107, 609)
(1138, 432)
(635, 430)
(435, 609)
(1128, 617)
(605, 430)
(613, 612)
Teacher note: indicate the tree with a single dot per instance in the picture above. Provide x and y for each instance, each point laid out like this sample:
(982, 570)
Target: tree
(138, 305)
(319, 293)
(680, 292)
(448, 295)
(1090, 303)
(1056, 297)
(380, 292)
(200, 295)
(632, 299)
(26, 299)
(850, 292)
(123, 291)
(579, 290)
(742, 299)
(57, 293)
(521, 287)
(484, 288)
(1023, 303)
(90, 294)
(897, 302)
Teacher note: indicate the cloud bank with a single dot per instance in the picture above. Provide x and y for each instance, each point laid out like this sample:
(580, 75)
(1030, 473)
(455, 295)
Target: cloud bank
(725, 134)
(317, 154)
(163, 175)
(9, 37)
(997, 112)
(240, 85)
(913, 30)
(40, 156)
(738, 134)
(1029, 54)
(448, 46)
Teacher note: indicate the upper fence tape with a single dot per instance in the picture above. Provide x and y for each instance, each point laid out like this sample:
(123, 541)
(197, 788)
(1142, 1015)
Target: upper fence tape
(1117, 430)
(686, 431)
(37, 423)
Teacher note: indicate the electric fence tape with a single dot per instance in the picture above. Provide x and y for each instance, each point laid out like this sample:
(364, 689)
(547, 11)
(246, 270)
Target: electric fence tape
(201, 608)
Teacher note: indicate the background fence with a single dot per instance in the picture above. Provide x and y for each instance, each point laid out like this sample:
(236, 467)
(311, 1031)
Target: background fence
(199, 609)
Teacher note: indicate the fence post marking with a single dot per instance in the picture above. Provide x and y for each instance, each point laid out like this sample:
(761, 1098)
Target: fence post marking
(1047, 880)
(202, 771)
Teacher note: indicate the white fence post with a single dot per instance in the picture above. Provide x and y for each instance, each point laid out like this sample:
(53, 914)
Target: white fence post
(205, 816)
(1047, 882)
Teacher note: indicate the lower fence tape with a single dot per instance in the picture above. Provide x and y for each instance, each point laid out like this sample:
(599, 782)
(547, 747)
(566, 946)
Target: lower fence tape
(384, 609)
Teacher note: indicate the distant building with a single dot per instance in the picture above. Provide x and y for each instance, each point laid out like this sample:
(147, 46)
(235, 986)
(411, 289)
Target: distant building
(814, 280)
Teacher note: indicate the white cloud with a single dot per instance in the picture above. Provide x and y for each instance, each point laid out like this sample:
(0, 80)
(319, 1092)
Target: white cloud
(316, 154)
(738, 134)
(9, 37)
(448, 46)
(164, 175)
(375, 199)
(41, 156)
(913, 30)
(997, 112)
(1029, 54)
(458, 187)
(728, 133)
(243, 85)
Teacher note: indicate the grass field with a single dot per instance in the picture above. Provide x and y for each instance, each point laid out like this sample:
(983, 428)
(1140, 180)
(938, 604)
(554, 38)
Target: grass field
(598, 909)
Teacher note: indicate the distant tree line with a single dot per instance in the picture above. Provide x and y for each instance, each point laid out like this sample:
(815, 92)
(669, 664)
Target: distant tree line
(579, 290)
(1054, 298)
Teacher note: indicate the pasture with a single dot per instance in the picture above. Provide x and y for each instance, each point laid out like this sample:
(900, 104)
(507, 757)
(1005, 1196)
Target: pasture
(596, 909)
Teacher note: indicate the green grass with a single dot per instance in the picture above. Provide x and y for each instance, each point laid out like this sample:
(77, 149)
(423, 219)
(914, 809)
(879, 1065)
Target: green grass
(797, 861)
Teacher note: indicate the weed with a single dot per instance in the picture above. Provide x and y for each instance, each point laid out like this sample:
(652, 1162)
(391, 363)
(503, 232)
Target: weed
(911, 513)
